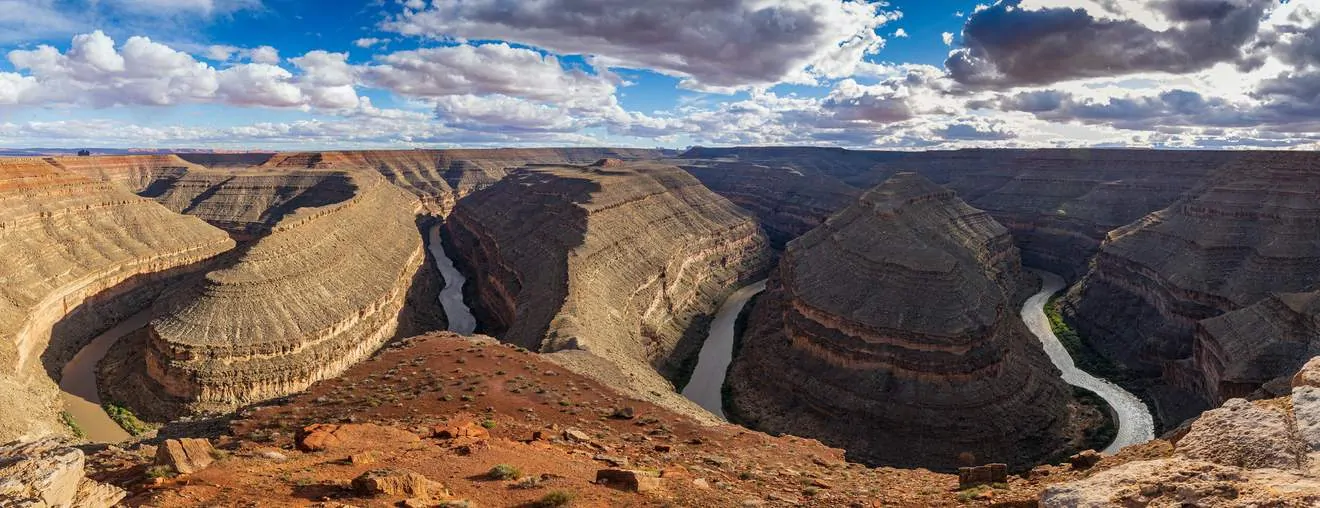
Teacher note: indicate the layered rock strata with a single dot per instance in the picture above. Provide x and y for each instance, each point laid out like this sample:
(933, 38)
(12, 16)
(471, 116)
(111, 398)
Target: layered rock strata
(322, 291)
(252, 201)
(1249, 234)
(76, 255)
(443, 176)
(1264, 453)
(787, 201)
(618, 262)
(891, 331)
(137, 172)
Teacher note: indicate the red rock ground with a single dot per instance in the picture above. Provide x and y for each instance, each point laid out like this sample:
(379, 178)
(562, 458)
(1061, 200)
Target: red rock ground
(443, 381)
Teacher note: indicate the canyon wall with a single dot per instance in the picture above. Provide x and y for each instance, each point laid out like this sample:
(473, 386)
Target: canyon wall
(892, 331)
(1058, 204)
(76, 250)
(788, 202)
(250, 201)
(137, 172)
(440, 177)
(324, 289)
(616, 265)
(1246, 235)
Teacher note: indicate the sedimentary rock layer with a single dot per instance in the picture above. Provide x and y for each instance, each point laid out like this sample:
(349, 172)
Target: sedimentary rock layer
(1059, 204)
(891, 331)
(1246, 234)
(1238, 352)
(619, 260)
(74, 248)
(251, 201)
(788, 202)
(322, 291)
(442, 176)
(137, 172)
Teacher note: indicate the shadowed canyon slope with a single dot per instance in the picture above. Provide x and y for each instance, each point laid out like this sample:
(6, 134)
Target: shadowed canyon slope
(623, 261)
(1235, 245)
(891, 331)
(77, 255)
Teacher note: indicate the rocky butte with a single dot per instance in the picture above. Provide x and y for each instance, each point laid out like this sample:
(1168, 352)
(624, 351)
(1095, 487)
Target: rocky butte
(617, 265)
(891, 331)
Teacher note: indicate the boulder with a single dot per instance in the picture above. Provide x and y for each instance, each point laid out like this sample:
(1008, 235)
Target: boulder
(398, 483)
(627, 479)
(1309, 375)
(49, 473)
(982, 475)
(466, 430)
(1085, 459)
(186, 456)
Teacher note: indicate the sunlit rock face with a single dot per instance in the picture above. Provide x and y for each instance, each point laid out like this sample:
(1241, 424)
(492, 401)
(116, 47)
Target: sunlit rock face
(1174, 293)
(620, 260)
(892, 331)
(77, 254)
(323, 287)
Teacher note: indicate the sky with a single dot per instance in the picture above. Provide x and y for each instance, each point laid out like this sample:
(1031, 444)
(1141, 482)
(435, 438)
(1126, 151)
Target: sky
(901, 75)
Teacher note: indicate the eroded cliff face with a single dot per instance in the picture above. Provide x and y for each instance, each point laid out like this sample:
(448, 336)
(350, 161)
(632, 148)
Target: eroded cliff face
(76, 256)
(324, 289)
(251, 201)
(787, 201)
(137, 172)
(440, 177)
(615, 263)
(1247, 234)
(891, 331)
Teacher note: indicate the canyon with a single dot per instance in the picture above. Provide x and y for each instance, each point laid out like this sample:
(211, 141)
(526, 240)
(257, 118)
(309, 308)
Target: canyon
(889, 327)
(889, 331)
(611, 267)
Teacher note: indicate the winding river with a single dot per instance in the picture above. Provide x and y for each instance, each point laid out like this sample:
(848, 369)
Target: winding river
(1135, 424)
(78, 377)
(705, 387)
(78, 383)
(459, 315)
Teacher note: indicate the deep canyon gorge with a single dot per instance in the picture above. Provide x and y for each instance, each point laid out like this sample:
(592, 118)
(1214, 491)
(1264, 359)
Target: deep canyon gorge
(888, 307)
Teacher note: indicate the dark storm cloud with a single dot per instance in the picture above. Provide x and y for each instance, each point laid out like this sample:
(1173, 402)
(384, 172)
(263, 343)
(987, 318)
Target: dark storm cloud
(719, 43)
(1172, 108)
(1006, 46)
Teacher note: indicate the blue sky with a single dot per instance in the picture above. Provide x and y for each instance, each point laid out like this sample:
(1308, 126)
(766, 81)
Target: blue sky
(290, 74)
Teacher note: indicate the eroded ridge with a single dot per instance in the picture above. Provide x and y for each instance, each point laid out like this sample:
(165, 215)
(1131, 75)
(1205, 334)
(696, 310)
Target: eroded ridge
(321, 291)
(890, 331)
(76, 255)
(1156, 291)
(614, 264)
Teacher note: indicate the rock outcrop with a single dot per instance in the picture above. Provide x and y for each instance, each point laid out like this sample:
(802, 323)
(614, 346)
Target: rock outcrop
(891, 331)
(1263, 453)
(1246, 237)
(614, 266)
(324, 289)
(49, 473)
(77, 255)
(788, 202)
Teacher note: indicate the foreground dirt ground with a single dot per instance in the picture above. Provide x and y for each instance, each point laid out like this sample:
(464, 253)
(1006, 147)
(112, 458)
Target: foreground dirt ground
(451, 409)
